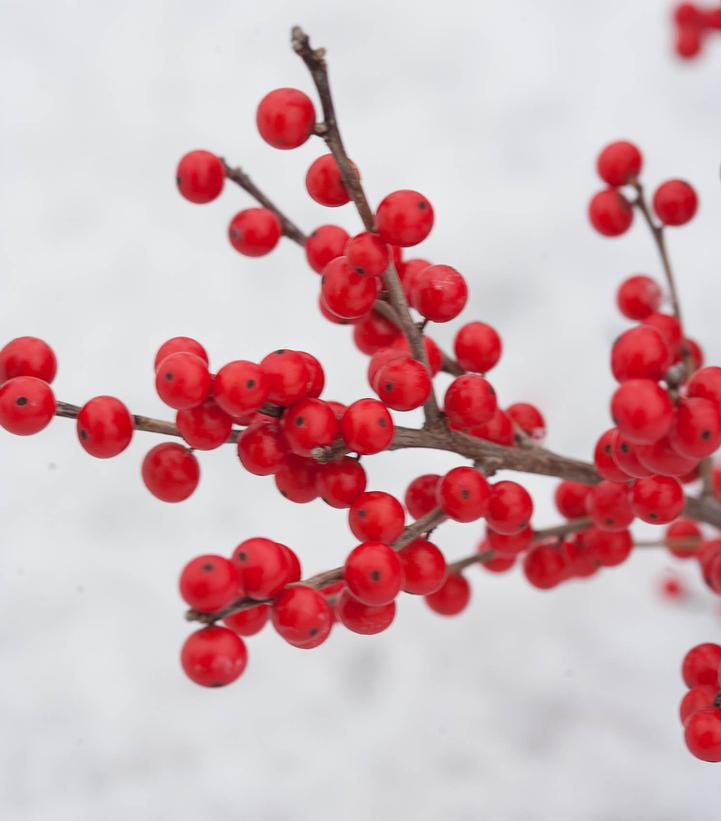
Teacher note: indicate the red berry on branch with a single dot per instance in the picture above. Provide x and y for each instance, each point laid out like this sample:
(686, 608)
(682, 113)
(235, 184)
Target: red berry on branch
(325, 244)
(373, 573)
(367, 427)
(697, 698)
(286, 375)
(463, 494)
(204, 427)
(610, 213)
(609, 505)
(686, 14)
(702, 732)
(183, 380)
(433, 352)
(619, 163)
(529, 419)
(581, 559)
(324, 182)
(27, 356)
(209, 582)
(701, 665)
(200, 176)
(362, 618)
(341, 482)
(706, 384)
(316, 374)
(104, 426)
(509, 545)
(376, 516)
(403, 384)
(670, 329)
(421, 495)
(470, 400)
(170, 472)
(240, 387)
(640, 353)
(452, 598)
(264, 567)
(545, 566)
(609, 548)
(570, 499)
(367, 254)
(309, 424)
(424, 567)
(302, 616)
(346, 293)
(657, 499)
(696, 430)
(695, 352)
(180, 344)
(439, 293)
(498, 564)
(624, 455)
(510, 508)
(213, 656)
(373, 332)
(642, 411)
(683, 530)
(248, 622)
(408, 275)
(255, 231)
(603, 457)
(285, 118)
(297, 479)
(27, 405)
(477, 347)
(638, 296)
(498, 429)
(262, 448)
(675, 202)
(404, 218)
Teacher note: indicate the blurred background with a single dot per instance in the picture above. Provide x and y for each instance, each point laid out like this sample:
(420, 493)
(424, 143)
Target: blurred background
(555, 705)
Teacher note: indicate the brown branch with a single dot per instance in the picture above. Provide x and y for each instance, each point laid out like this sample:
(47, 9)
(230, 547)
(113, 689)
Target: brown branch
(565, 528)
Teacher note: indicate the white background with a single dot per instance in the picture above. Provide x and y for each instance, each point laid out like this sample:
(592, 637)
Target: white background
(556, 705)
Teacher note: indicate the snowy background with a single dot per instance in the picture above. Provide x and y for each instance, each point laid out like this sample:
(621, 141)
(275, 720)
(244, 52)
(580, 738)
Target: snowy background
(558, 705)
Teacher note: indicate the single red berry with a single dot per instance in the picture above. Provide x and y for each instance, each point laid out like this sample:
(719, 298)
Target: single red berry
(697, 698)
(200, 176)
(570, 498)
(609, 505)
(403, 384)
(686, 536)
(638, 296)
(362, 618)
(498, 564)
(373, 573)
(262, 448)
(439, 293)
(213, 656)
(695, 352)
(183, 380)
(264, 567)
(675, 202)
(640, 353)
(179, 344)
(248, 622)
(27, 356)
(170, 472)
(241, 387)
(404, 218)
(309, 424)
(302, 616)
(463, 494)
(287, 376)
(367, 427)
(610, 213)
(297, 479)
(421, 495)
(545, 566)
(642, 411)
(661, 458)
(325, 244)
(686, 14)
(254, 232)
(696, 431)
(509, 545)
(27, 405)
(477, 347)
(105, 427)
(285, 118)
(433, 352)
(424, 567)
(209, 582)
(316, 374)
(689, 40)
(581, 560)
(470, 400)
(702, 733)
(410, 270)
(346, 293)
(376, 516)
(373, 332)
(510, 508)
(452, 597)
(619, 163)
(670, 329)
(529, 419)
(367, 254)
(603, 457)
(701, 665)
(324, 182)
(609, 548)
(499, 429)
(624, 455)
(341, 481)
(204, 427)
(706, 384)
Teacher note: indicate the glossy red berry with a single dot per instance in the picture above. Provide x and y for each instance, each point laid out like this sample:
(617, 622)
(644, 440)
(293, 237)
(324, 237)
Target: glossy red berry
(285, 118)
(170, 472)
(346, 293)
(439, 293)
(702, 733)
(204, 427)
(180, 344)
(581, 561)
(362, 618)
(696, 430)
(670, 329)
(697, 698)
(209, 582)
(341, 481)
(424, 567)
(661, 458)
(638, 297)
(254, 232)
(241, 387)
(421, 495)
(264, 567)
(683, 538)
(675, 202)
(477, 347)
(499, 429)
(27, 356)
(657, 499)
(510, 508)
(367, 427)
(324, 182)
(297, 479)
(529, 419)
(604, 460)
(287, 376)
(373, 332)
(463, 494)
(302, 616)
(695, 352)
(367, 254)
(470, 400)
(373, 573)
(248, 622)
(316, 374)
(27, 405)
(183, 380)
(262, 448)
(619, 163)
(570, 499)
(408, 273)
(706, 384)
(200, 176)
(309, 424)
(609, 505)
(701, 665)
(403, 384)
(452, 597)
(640, 353)
(376, 516)
(404, 218)
(213, 656)
(433, 352)
(610, 213)
(509, 544)
(104, 426)
(642, 411)
(325, 244)
(498, 564)
(608, 548)
(545, 566)
(624, 455)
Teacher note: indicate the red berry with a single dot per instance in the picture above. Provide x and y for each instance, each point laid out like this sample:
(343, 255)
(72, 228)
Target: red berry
(316, 375)
(325, 244)
(463, 494)
(509, 544)
(694, 350)
(373, 332)
(287, 376)
(686, 14)
(433, 352)
(209, 582)
(367, 254)
(373, 573)
(297, 479)
(701, 665)
(255, 231)
(624, 455)
(609, 548)
(264, 567)
(570, 498)
(581, 561)
(248, 622)
(510, 508)
(241, 387)
(367, 427)
(661, 458)
(404, 218)
(200, 176)
(309, 424)
(545, 566)
(619, 163)
(180, 344)
(27, 405)
(683, 530)
(706, 384)
(609, 505)
(204, 427)
(302, 616)
(657, 499)
(498, 429)
(183, 380)
(27, 356)
(498, 564)
(376, 516)
(346, 293)
(477, 347)
(421, 495)
(702, 733)
(285, 118)
(610, 213)
(696, 431)
(689, 40)
(410, 270)
(452, 598)
(424, 567)
(529, 419)
(675, 202)
(470, 400)
(362, 618)
(403, 384)
(213, 656)
(638, 296)
(439, 293)
(324, 182)
(603, 457)
(105, 426)
(670, 329)
(642, 411)
(640, 353)
(341, 482)
(261, 448)
(170, 472)
(697, 698)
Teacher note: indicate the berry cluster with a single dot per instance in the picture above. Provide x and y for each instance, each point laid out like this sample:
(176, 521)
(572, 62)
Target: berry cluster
(692, 27)
(700, 708)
